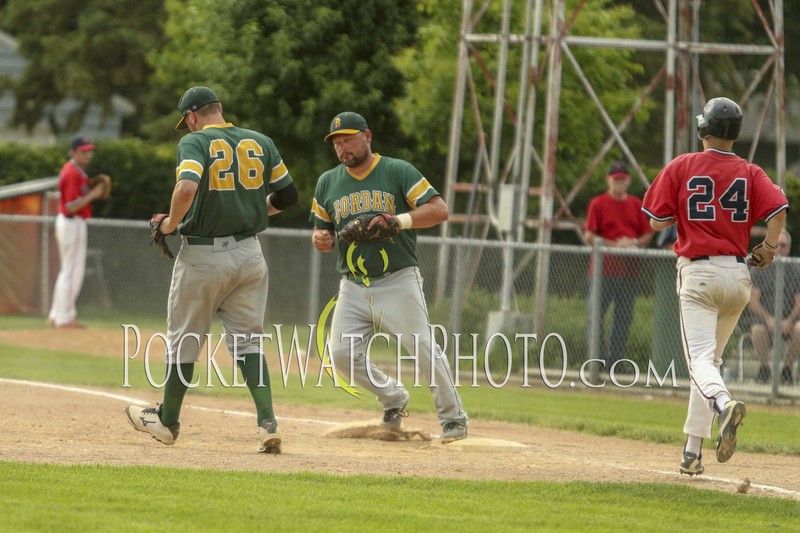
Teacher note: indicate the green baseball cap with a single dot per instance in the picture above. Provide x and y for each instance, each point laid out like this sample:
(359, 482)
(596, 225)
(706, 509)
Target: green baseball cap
(347, 123)
(192, 100)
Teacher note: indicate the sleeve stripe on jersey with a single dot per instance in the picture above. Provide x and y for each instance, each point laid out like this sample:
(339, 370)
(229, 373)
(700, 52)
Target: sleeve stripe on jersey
(654, 217)
(418, 191)
(189, 165)
(319, 212)
(278, 172)
(781, 208)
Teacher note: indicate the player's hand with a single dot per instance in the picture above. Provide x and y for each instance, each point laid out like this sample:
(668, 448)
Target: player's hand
(761, 256)
(322, 240)
(164, 227)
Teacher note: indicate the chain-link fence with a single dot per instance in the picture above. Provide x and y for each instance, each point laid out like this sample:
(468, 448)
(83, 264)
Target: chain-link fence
(490, 297)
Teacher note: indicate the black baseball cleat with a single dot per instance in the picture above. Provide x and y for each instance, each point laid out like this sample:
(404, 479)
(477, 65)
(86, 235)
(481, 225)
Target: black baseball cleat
(691, 464)
(729, 420)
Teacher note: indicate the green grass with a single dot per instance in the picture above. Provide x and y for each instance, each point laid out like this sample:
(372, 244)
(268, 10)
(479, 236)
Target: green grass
(39, 497)
(91, 498)
(108, 319)
(594, 412)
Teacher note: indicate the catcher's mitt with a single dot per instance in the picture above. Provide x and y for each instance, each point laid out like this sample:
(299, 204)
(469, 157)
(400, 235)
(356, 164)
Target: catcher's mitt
(761, 256)
(158, 238)
(370, 227)
(105, 179)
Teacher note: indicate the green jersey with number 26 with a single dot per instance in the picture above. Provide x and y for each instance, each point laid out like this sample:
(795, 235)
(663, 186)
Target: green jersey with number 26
(230, 165)
(389, 186)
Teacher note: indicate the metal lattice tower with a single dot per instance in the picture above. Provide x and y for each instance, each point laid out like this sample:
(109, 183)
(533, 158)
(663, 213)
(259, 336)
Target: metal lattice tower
(505, 181)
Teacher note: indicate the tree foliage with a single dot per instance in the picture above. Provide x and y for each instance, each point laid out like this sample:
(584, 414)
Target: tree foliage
(86, 50)
(287, 68)
(429, 68)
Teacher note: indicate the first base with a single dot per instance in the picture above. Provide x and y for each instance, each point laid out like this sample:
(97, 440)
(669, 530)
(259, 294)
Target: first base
(483, 445)
(373, 429)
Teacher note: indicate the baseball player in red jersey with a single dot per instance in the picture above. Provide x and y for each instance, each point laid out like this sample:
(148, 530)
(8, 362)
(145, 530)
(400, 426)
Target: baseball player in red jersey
(75, 208)
(715, 197)
(616, 217)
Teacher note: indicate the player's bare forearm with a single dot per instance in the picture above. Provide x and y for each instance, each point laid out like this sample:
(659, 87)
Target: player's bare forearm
(774, 227)
(79, 203)
(182, 198)
(658, 225)
(429, 214)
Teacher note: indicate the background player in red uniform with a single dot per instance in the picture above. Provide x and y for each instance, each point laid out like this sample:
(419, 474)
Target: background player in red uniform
(715, 197)
(616, 217)
(75, 208)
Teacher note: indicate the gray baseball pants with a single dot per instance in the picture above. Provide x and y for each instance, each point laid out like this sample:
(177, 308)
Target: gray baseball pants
(395, 305)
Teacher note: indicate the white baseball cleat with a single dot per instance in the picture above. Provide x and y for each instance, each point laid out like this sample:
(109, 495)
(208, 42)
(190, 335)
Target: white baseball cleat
(147, 420)
(269, 441)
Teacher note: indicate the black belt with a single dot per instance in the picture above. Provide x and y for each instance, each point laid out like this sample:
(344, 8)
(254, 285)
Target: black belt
(210, 240)
(706, 258)
(358, 278)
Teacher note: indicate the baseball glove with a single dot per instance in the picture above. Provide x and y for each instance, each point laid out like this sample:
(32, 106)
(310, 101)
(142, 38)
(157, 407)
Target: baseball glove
(369, 228)
(761, 256)
(158, 238)
(105, 179)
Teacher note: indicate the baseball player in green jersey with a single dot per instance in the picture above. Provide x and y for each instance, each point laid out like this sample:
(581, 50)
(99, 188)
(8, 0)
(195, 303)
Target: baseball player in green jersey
(219, 204)
(381, 286)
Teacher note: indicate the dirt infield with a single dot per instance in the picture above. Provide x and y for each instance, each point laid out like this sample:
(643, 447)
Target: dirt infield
(84, 425)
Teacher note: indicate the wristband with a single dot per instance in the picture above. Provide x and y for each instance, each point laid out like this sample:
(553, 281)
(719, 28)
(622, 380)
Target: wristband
(769, 247)
(405, 220)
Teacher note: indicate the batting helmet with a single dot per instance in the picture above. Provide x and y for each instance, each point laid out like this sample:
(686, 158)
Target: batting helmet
(721, 118)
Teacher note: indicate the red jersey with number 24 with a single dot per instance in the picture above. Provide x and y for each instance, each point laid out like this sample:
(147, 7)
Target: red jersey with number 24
(716, 197)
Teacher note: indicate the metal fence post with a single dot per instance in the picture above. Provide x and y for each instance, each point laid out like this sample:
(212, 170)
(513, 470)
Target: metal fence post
(777, 333)
(315, 286)
(594, 305)
(458, 290)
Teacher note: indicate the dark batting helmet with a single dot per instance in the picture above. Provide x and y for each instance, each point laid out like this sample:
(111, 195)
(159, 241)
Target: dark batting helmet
(721, 118)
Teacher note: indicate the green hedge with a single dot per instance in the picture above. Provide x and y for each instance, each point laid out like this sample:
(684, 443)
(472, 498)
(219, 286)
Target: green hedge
(20, 162)
(143, 176)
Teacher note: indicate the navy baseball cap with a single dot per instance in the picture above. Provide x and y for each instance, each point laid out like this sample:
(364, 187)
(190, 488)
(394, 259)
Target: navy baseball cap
(619, 170)
(346, 123)
(192, 100)
(81, 143)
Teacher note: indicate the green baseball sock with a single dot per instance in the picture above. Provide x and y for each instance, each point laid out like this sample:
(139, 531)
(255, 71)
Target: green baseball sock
(174, 391)
(256, 375)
